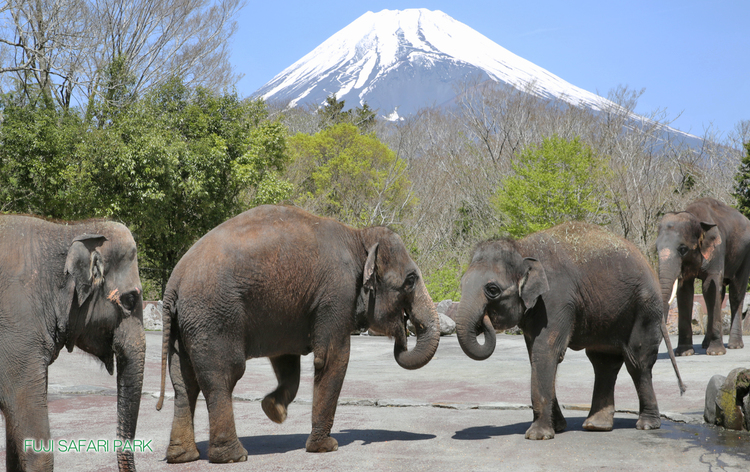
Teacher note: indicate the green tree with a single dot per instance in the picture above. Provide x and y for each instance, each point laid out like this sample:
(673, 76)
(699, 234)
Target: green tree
(352, 177)
(742, 184)
(445, 283)
(333, 113)
(37, 143)
(177, 163)
(553, 182)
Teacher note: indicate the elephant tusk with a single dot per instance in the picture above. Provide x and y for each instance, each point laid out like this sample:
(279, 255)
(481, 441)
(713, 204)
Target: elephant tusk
(674, 292)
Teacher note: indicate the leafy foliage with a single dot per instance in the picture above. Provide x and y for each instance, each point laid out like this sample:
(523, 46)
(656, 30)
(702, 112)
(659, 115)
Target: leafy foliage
(445, 283)
(172, 165)
(178, 163)
(37, 143)
(352, 177)
(333, 113)
(742, 184)
(551, 183)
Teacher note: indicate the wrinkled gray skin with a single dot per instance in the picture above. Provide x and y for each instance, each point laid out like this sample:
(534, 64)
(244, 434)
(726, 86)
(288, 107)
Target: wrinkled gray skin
(281, 283)
(709, 241)
(572, 286)
(65, 285)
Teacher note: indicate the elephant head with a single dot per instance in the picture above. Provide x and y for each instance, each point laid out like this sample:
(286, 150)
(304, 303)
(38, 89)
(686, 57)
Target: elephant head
(105, 316)
(496, 290)
(393, 292)
(684, 245)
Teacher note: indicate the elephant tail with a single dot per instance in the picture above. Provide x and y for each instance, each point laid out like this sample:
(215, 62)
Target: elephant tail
(665, 334)
(170, 305)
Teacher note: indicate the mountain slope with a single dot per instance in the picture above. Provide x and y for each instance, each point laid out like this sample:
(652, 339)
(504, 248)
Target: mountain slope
(409, 59)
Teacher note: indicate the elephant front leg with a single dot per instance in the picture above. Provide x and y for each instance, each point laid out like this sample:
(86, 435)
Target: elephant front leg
(182, 446)
(287, 369)
(330, 369)
(602, 414)
(548, 418)
(713, 342)
(685, 296)
(27, 434)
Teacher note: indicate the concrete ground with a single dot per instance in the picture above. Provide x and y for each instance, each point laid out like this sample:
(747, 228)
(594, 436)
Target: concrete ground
(453, 414)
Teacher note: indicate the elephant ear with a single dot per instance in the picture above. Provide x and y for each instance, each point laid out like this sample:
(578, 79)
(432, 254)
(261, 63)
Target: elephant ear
(533, 282)
(368, 277)
(710, 239)
(85, 264)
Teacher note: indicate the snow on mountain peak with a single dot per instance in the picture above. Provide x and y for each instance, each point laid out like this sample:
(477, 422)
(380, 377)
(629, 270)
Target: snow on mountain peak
(409, 59)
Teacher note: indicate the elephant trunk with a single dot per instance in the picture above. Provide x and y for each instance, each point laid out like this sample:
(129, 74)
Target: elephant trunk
(472, 321)
(426, 321)
(130, 352)
(669, 273)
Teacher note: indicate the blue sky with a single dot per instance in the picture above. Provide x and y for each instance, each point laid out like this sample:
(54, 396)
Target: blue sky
(691, 56)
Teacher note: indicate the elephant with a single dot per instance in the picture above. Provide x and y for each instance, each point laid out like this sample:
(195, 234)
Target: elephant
(279, 282)
(575, 286)
(709, 241)
(66, 284)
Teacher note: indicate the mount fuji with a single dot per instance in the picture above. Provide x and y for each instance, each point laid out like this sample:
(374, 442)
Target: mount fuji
(400, 61)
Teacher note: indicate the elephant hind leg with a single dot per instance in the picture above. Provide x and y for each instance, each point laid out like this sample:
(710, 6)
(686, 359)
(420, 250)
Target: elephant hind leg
(606, 368)
(648, 412)
(287, 369)
(182, 446)
(736, 299)
(218, 368)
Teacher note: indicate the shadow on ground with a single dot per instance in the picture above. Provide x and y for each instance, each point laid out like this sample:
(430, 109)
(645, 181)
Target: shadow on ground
(282, 443)
(487, 432)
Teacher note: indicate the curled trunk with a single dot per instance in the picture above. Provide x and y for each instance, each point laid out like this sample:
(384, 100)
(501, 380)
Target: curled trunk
(472, 321)
(130, 351)
(425, 318)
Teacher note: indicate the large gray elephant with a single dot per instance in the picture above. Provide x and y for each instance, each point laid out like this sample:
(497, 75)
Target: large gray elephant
(709, 241)
(571, 286)
(65, 285)
(281, 283)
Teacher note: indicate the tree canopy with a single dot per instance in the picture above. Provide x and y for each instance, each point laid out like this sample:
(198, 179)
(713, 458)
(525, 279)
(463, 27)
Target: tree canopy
(349, 176)
(556, 181)
(172, 166)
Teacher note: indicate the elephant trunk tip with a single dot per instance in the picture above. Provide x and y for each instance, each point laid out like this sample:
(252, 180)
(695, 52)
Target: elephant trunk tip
(468, 339)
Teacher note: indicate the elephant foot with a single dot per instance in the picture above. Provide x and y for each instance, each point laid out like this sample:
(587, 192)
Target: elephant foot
(224, 454)
(178, 454)
(537, 432)
(735, 343)
(684, 350)
(326, 444)
(648, 422)
(716, 348)
(275, 411)
(600, 421)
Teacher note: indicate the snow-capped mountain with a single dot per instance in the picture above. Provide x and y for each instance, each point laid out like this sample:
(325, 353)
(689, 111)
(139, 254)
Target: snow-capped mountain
(405, 60)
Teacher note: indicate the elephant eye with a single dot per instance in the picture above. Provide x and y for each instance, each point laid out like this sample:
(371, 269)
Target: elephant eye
(129, 300)
(410, 281)
(682, 250)
(492, 290)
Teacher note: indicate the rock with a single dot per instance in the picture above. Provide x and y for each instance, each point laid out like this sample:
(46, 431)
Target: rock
(731, 400)
(444, 306)
(152, 315)
(712, 390)
(447, 326)
(452, 312)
